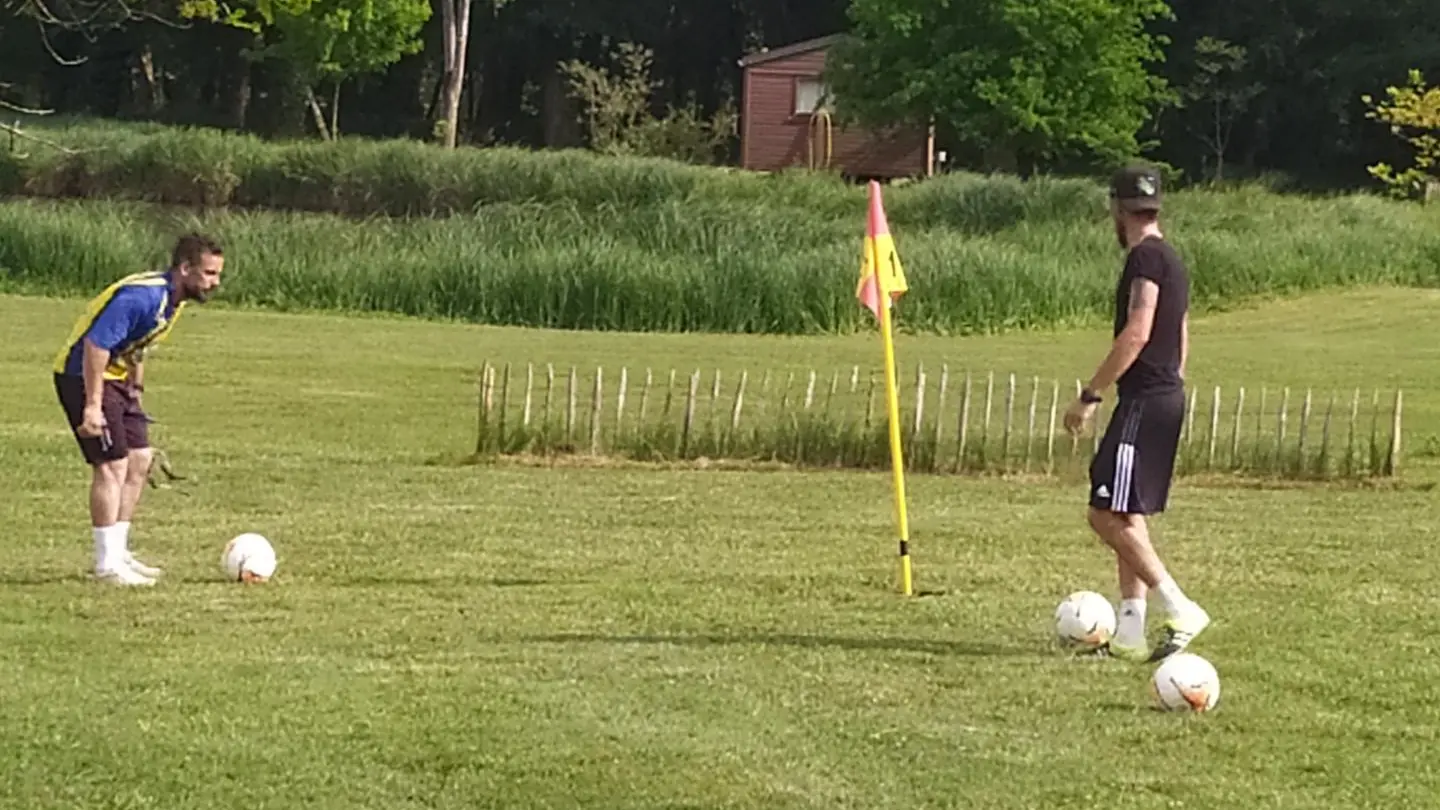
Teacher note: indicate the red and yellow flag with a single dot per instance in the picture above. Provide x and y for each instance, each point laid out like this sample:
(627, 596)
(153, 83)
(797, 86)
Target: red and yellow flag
(879, 253)
(883, 279)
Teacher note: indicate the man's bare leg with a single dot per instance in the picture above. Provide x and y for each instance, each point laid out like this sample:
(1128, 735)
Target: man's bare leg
(1140, 569)
(107, 487)
(137, 472)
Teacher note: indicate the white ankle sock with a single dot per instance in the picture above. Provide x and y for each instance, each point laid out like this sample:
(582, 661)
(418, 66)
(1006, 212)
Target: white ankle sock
(109, 547)
(1130, 629)
(123, 527)
(1174, 599)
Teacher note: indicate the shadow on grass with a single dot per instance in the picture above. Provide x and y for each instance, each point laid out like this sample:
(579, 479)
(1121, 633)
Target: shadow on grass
(963, 648)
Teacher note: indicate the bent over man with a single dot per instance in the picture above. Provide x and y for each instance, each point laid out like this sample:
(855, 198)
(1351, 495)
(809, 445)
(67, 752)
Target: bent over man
(100, 380)
(1130, 475)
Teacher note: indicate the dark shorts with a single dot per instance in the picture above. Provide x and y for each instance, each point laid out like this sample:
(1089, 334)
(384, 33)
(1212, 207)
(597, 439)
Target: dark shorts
(126, 426)
(1132, 470)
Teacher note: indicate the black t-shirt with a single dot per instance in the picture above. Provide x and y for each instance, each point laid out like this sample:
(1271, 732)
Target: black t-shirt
(1157, 369)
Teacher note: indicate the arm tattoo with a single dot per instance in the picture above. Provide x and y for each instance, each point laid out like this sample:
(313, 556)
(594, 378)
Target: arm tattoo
(1144, 294)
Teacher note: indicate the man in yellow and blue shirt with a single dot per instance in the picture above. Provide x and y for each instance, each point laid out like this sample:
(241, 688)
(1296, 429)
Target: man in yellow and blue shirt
(99, 379)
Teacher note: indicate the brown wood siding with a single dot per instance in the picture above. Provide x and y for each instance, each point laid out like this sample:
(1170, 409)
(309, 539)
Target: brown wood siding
(775, 138)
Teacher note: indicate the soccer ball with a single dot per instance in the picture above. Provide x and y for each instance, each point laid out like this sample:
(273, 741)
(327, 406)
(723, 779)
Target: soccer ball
(248, 558)
(1085, 619)
(1185, 682)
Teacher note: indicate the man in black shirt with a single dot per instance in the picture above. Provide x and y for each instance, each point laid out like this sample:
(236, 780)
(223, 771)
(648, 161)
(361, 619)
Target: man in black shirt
(1130, 475)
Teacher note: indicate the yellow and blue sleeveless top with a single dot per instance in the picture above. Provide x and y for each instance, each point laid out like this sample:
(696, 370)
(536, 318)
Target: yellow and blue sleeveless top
(125, 318)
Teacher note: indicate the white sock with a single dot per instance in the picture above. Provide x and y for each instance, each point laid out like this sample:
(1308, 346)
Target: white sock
(109, 547)
(1174, 600)
(1130, 630)
(123, 527)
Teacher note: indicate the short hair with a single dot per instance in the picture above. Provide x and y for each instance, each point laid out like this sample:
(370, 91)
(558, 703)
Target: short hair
(192, 247)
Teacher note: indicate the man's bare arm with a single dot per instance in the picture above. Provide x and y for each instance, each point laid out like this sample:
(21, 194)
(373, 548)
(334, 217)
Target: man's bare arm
(95, 362)
(1139, 321)
(1184, 343)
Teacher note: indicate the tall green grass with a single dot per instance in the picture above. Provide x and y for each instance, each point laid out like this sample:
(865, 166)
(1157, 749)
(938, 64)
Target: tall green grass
(712, 266)
(573, 240)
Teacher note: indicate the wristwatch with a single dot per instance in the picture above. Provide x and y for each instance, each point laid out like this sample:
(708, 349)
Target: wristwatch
(1090, 397)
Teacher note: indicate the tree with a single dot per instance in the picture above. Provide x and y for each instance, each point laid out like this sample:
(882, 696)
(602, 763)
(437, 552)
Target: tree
(455, 38)
(87, 18)
(1042, 78)
(336, 40)
(617, 111)
(1413, 113)
(1220, 89)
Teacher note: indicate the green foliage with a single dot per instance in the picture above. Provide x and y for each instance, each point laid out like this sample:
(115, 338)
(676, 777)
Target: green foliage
(327, 41)
(1041, 79)
(617, 113)
(1413, 114)
(339, 39)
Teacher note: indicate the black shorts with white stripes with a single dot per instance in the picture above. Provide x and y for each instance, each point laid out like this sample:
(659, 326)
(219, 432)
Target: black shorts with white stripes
(1132, 470)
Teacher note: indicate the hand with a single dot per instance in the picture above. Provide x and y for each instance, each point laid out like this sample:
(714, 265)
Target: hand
(1077, 415)
(92, 424)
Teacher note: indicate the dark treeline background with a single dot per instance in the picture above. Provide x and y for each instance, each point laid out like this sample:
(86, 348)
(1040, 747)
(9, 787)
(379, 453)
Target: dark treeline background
(1290, 82)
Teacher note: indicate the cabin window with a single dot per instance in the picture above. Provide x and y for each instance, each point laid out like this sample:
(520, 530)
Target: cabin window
(811, 96)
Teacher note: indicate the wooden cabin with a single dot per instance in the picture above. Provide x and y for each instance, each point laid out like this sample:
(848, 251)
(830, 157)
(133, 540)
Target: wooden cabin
(784, 122)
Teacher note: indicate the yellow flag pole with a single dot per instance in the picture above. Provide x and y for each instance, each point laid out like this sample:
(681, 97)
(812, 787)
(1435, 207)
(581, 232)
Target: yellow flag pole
(892, 404)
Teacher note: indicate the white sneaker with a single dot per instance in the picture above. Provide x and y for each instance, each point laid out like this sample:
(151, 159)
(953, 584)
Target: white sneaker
(142, 569)
(124, 575)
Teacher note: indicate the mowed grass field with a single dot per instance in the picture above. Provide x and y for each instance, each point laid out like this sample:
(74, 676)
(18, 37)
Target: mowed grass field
(445, 636)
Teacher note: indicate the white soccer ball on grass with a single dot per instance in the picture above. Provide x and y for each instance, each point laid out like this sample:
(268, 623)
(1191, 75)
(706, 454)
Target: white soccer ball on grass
(249, 557)
(1185, 682)
(1085, 619)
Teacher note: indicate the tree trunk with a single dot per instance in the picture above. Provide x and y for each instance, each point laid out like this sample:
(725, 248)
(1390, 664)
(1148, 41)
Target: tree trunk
(318, 113)
(240, 98)
(455, 21)
(335, 112)
(238, 103)
(153, 99)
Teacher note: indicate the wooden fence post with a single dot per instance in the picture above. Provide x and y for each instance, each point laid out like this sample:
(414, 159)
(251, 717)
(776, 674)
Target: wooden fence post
(596, 402)
(1235, 435)
(1392, 466)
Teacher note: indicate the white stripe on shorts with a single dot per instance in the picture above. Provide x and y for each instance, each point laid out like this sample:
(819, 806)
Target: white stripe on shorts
(1125, 461)
(1124, 473)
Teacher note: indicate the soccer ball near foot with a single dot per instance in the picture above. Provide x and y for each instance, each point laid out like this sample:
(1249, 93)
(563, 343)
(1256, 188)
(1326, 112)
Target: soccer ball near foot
(1085, 620)
(249, 558)
(1185, 682)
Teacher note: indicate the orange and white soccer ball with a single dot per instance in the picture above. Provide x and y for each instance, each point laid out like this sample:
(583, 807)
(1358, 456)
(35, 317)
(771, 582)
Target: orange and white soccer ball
(1185, 682)
(248, 557)
(1085, 619)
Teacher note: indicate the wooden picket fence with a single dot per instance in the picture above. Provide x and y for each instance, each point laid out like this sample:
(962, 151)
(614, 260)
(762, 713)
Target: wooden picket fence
(970, 423)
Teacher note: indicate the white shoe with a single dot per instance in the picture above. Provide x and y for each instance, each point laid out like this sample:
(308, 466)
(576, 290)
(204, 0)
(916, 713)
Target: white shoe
(142, 569)
(124, 575)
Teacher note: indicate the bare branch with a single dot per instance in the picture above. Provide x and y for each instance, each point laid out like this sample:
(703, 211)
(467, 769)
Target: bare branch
(23, 111)
(54, 54)
(19, 133)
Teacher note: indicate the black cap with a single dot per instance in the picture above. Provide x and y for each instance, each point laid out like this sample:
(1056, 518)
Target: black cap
(1136, 188)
